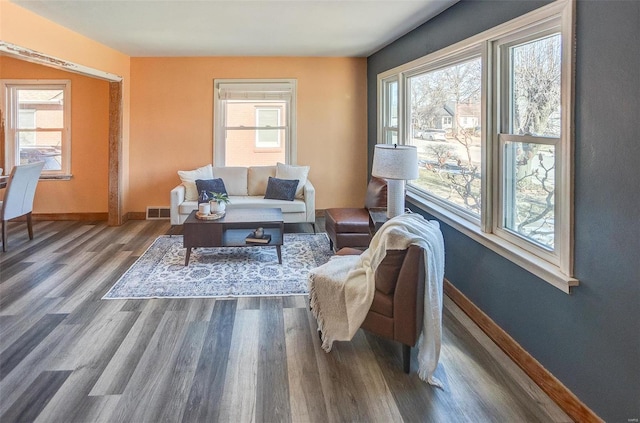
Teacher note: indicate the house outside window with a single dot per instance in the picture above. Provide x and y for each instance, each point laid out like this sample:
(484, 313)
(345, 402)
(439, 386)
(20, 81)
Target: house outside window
(254, 122)
(38, 121)
(269, 119)
(492, 119)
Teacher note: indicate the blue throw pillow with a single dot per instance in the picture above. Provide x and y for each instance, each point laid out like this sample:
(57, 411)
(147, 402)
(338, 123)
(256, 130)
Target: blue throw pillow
(281, 189)
(211, 185)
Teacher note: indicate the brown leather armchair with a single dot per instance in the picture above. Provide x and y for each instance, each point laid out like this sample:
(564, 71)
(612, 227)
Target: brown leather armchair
(398, 302)
(349, 227)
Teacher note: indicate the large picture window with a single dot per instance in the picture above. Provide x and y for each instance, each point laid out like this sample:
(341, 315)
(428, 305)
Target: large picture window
(492, 119)
(254, 122)
(38, 125)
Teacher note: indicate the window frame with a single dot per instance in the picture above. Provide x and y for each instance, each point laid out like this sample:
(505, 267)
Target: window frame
(556, 268)
(8, 98)
(262, 88)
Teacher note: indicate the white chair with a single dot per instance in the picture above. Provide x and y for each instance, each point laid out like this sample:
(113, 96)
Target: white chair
(18, 197)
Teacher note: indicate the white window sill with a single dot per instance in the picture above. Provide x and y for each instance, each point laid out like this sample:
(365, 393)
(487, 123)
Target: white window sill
(56, 177)
(533, 264)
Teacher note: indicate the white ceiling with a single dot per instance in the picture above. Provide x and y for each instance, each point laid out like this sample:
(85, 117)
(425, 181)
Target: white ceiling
(155, 28)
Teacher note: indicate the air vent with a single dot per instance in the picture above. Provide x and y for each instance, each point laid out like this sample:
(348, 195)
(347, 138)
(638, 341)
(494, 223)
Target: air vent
(158, 213)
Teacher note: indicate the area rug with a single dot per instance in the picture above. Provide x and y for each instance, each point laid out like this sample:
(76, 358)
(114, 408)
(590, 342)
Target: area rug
(222, 272)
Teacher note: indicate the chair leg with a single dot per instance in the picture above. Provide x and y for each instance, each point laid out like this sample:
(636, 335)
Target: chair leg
(29, 225)
(406, 358)
(4, 235)
(313, 225)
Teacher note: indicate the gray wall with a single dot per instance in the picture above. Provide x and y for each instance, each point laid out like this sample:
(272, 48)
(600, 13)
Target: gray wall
(590, 340)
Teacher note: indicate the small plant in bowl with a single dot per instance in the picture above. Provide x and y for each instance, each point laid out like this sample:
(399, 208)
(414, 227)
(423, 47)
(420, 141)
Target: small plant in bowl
(219, 201)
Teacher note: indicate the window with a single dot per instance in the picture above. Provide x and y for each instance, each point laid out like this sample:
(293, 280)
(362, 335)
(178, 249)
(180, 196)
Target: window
(492, 119)
(38, 125)
(390, 111)
(254, 122)
(529, 137)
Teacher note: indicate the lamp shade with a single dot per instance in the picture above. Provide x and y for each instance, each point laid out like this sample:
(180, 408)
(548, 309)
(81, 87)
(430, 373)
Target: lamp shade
(395, 161)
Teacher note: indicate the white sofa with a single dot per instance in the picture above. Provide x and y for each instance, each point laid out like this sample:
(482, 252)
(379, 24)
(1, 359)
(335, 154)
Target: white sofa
(246, 188)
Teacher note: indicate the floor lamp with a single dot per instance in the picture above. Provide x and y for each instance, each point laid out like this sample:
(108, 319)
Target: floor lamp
(396, 164)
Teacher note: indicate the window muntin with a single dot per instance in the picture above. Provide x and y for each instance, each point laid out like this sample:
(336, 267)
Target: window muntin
(254, 122)
(449, 157)
(38, 125)
(526, 208)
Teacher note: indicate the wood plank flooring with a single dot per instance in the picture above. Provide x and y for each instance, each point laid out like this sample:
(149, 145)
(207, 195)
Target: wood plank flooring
(68, 356)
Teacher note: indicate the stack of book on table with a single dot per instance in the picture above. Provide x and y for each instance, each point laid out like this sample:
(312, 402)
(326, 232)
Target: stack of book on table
(253, 239)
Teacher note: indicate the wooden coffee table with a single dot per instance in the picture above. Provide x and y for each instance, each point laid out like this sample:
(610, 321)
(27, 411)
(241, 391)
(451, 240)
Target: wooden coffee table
(232, 229)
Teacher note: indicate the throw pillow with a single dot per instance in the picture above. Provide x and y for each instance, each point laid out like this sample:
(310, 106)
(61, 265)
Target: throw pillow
(281, 189)
(376, 193)
(211, 185)
(284, 171)
(188, 178)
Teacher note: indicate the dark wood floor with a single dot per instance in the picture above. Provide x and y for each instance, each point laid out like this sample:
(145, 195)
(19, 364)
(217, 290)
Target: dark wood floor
(68, 356)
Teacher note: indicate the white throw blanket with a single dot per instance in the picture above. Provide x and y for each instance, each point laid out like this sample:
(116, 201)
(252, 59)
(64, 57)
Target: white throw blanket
(341, 291)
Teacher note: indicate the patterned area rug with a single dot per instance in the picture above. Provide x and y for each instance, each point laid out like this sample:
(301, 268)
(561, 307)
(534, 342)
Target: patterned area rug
(222, 272)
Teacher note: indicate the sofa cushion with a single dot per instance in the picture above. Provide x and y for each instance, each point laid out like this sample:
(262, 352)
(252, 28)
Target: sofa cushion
(188, 178)
(388, 270)
(234, 177)
(251, 202)
(211, 185)
(376, 193)
(258, 177)
(281, 189)
(255, 202)
(284, 171)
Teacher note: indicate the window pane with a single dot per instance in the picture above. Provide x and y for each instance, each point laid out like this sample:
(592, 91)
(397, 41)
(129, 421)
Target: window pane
(392, 104)
(535, 87)
(391, 137)
(40, 125)
(252, 136)
(241, 149)
(445, 127)
(529, 190)
(48, 149)
(243, 113)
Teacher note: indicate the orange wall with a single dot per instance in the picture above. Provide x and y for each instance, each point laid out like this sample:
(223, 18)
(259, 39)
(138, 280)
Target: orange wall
(87, 191)
(168, 110)
(172, 121)
(25, 29)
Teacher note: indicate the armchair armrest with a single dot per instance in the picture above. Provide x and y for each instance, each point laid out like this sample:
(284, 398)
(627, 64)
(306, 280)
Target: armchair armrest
(177, 198)
(309, 193)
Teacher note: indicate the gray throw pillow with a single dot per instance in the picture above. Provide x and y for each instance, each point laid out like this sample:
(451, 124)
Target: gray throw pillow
(211, 185)
(281, 189)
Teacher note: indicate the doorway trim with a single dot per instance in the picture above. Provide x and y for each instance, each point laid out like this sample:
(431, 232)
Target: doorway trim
(115, 215)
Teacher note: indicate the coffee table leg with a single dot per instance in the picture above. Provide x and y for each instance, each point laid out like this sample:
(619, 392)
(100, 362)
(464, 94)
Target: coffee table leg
(186, 258)
(279, 254)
